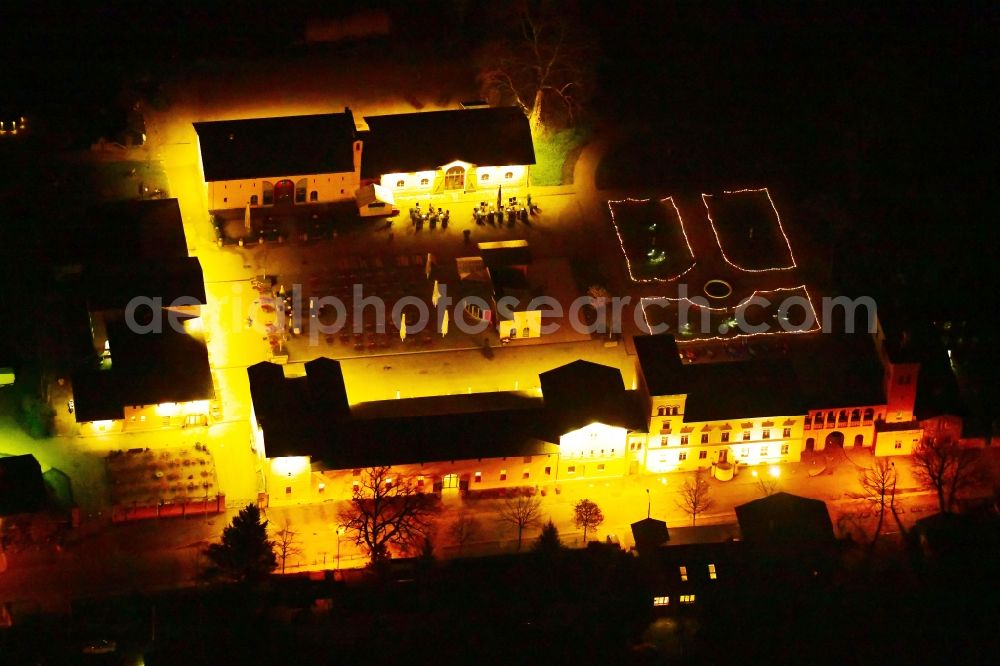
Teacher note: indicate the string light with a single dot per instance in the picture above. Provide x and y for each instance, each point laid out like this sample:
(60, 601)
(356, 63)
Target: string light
(621, 241)
(816, 327)
(777, 216)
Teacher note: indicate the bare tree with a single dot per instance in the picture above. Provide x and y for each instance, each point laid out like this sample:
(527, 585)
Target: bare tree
(588, 515)
(388, 510)
(695, 496)
(521, 512)
(286, 543)
(544, 62)
(464, 530)
(878, 485)
(767, 485)
(943, 466)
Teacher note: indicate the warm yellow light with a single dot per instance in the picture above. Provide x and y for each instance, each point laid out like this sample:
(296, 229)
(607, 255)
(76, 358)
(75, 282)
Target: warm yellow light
(753, 473)
(102, 425)
(775, 471)
(194, 325)
(166, 409)
(290, 465)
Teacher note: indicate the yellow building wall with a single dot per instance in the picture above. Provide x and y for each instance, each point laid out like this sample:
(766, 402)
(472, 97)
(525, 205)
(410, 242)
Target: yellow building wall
(289, 480)
(898, 443)
(328, 187)
(850, 428)
(427, 182)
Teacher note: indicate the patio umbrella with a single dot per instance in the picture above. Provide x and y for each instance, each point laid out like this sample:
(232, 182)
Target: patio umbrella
(444, 324)
(246, 219)
(402, 327)
(499, 197)
(436, 294)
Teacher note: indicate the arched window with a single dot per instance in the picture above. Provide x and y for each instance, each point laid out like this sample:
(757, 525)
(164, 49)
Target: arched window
(314, 196)
(253, 200)
(400, 183)
(484, 177)
(508, 175)
(869, 414)
(454, 178)
(424, 182)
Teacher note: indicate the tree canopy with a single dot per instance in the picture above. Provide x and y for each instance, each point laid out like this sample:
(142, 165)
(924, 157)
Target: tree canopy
(244, 553)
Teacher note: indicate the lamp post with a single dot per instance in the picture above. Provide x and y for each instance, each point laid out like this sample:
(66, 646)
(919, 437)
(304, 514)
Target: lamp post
(340, 532)
(649, 503)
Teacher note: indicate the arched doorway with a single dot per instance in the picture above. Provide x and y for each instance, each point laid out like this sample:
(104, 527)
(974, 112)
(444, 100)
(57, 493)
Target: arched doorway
(810, 444)
(284, 192)
(454, 178)
(859, 440)
(834, 440)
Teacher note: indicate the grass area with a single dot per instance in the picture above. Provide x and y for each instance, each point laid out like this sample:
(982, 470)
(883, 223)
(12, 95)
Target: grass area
(652, 227)
(749, 231)
(555, 155)
(121, 180)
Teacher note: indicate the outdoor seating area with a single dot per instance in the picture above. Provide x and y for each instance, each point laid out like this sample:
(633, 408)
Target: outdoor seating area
(500, 214)
(430, 216)
(147, 477)
(390, 278)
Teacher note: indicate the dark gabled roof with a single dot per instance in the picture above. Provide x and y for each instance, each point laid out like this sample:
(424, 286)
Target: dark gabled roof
(659, 363)
(276, 147)
(783, 518)
(827, 371)
(22, 489)
(112, 286)
(580, 393)
(838, 370)
(504, 254)
(146, 369)
(649, 533)
(122, 231)
(407, 142)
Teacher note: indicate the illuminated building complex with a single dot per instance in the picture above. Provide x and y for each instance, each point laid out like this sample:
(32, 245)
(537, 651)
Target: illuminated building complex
(586, 424)
(324, 158)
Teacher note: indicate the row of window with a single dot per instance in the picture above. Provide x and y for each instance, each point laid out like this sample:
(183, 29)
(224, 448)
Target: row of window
(711, 573)
(765, 434)
(744, 453)
(665, 601)
(842, 417)
(593, 454)
(483, 177)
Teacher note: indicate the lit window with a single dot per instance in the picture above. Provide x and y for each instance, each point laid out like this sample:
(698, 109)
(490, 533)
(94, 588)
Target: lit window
(702, 455)
(288, 490)
(899, 445)
(682, 455)
(548, 471)
(763, 450)
(600, 467)
(571, 469)
(711, 572)
(484, 177)
(766, 433)
(355, 485)
(784, 449)
(424, 182)
(746, 435)
(388, 482)
(787, 432)
(508, 175)
(704, 438)
(684, 573)
(420, 481)
(400, 183)
(684, 440)
(725, 437)
(479, 477)
(661, 601)
(526, 474)
(687, 598)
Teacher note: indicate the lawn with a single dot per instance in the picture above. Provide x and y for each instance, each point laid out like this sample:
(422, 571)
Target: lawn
(749, 230)
(652, 237)
(556, 154)
(116, 180)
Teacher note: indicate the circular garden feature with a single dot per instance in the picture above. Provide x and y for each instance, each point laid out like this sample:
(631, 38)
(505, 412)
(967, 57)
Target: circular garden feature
(718, 289)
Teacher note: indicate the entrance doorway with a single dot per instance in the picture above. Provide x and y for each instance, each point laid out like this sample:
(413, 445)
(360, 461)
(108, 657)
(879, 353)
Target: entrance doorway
(810, 444)
(450, 481)
(454, 178)
(284, 192)
(859, 440)
(835, 440)
(723, 456)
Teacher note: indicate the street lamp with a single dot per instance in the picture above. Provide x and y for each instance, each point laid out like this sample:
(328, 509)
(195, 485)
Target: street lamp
(649, 503)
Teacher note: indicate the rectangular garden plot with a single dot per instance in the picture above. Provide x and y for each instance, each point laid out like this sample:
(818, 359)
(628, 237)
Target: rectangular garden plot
(652, 237)
(748, 228)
